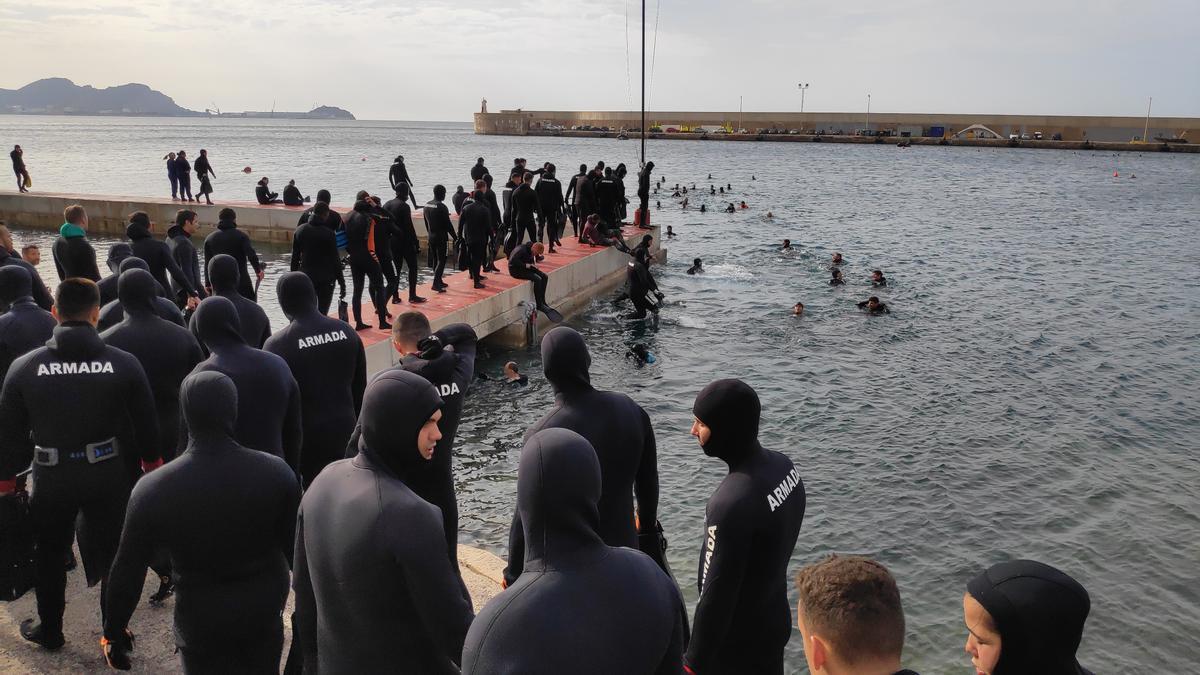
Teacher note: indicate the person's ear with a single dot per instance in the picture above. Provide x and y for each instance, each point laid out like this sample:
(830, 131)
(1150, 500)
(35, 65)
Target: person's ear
(818, 651)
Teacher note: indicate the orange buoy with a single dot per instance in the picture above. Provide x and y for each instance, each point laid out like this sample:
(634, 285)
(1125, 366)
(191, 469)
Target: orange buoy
(1116, 175)
(246, 169)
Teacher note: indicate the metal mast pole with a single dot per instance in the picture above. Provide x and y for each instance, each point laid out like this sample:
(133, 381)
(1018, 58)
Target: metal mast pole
(643, 83)
(1146, 130)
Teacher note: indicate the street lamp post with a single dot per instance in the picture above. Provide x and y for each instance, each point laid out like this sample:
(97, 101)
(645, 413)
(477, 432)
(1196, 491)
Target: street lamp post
(803, 88)
(868, 112)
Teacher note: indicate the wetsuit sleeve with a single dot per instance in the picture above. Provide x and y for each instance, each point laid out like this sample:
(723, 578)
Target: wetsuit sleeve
(727, 544)
(304, 620)
(672, 660)
(41, 295)
(293, 434)
(441, 604)
(139, 403)
(463, 338)
(645, 486)
(93, 270)
(251, 254)
(16, 448)
(358, 385)
(128, 573)
(297, 238)
(177, 273)
(207, 257)
(516, 551)
(286, 531)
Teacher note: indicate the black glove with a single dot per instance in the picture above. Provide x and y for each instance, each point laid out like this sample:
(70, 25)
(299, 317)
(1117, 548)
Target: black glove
(117, 651)
(654, 544)
(430, 348)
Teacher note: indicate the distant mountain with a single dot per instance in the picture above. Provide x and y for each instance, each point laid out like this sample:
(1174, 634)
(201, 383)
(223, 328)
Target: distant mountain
(57, 95)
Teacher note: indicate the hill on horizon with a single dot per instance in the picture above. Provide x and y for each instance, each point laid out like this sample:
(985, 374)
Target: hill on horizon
(58, 95)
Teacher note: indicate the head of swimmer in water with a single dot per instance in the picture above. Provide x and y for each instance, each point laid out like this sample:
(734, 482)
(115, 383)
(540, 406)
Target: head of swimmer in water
(877, 275)
(511, 372)
(837, 258)
(837, 274)
(798, 309)
(787, 243)
(696, 263)
(669, 230)
(872, 303)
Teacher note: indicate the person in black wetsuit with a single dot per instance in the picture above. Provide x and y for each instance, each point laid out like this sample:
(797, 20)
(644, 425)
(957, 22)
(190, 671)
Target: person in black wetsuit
(229, 240)
(874, 306)
(41, 296)
(292, 196)
(364, 263)
(158, 257)
(375, 589)
(1024, 616)
(24, 326)
(488, 196)
(334, 222)
(835, 277)
(315, 253)
(330, 366)
(521, 266)
(72, 252)
(117, 254)
(697, 266)
(524, 212)
(550, 203)
(183, 252)
(570, 199)
(183, 171)
(743, 619)
(437, 221)
(616, 427)
(607, 194)
(398, 174)
(475, 226)
(640, 284)
(457, 198)
(253, 322)
(479, 170)
(573, 578)
(268, 396)
(230, 547)
(18, 161)
(403, 243)
(877, 279)
(263, 193)
(112, 313)
(850, 618)
(167, 352)
(643, 193)
(81, 467)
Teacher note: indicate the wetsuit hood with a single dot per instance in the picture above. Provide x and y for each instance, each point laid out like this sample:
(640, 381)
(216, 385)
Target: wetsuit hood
(1039, 612)
(558, 493)
(395, 407)
(136, 290)
(223, 274)
(118, 253)
(15, 283)
(75, 341)
(362, 206)
(565, 360)
(227, 225)
(297, 297)
(131, 263)
(730, 409)
(209, 403)
(217, 324)
(138, 228)
(175, 231)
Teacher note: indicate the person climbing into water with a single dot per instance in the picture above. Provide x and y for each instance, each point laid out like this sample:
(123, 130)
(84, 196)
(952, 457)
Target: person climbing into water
(836, 277)
(752, 521)
(263, 193)
(398, 173)
(593, 236)
(874, 306)
(697, 267)
(1024, 616)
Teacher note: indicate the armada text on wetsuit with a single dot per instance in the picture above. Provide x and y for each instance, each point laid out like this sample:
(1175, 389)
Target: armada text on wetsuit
(230, 547)
(625, 604)
(375, 589)
(617, 428)
(330, 366)
(743, 619)
(268, 396)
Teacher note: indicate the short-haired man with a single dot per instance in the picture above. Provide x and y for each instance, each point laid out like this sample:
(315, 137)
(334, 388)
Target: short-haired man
(512, 374)
(72, 252)
(31, 254)
(83, 463)
(228, 239)
(850, 617)
(183, 251)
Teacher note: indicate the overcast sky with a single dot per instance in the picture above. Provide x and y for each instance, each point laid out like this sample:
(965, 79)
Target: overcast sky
(434, 60)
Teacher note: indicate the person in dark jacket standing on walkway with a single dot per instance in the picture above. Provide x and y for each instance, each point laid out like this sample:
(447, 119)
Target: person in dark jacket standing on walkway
(18, 161)
(179, 244)
(82, 463)
(229, 240)
(254, 324)
(172, 175)
(550, 201)
(157, 255)
(525, 209)
(231, 547)
(268, 416)
(72, 252)
(572, 579)
(743, 619)
(475, 225)
(24, 326)
(479, 170)
(404, 245)
(375, 589)
(330, 366)
(315, 253)
(183, 171)
(437, 220)
(202, 167)
(399, 174)
(620, 432)
(41, 296)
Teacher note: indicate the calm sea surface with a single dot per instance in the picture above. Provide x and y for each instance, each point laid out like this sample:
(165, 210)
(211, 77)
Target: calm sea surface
(1035, 391)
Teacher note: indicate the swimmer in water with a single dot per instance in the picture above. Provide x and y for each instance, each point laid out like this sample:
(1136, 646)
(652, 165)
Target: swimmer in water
(712, 190)
(877, 279)
(731, 208)
(722, 190)
(642, 355)
(787, 245)
(837, 279)
(837, 259)
(743, 205)
(685, 189)
(697, 267)
(657, 204)
(703, 208)
(513, 376)
(770, 216)
(676, 193)
(671, 232)
(874, 306)
(710, 176)
(685, 203)
(728, 186)
(798, 309)
(752, 177)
